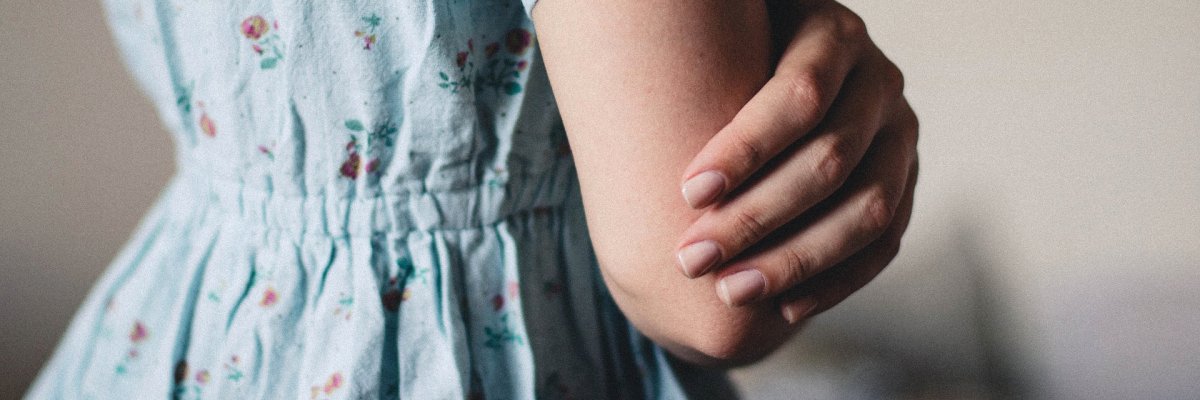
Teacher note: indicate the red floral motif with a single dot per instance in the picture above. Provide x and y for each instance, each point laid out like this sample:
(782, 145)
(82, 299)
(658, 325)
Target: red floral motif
(517, 40)
(203, 376)
(269, 298)
(514, 290)
(497, 302)
(332, 384)
(460, 59)
(139, 332)
(207, 125)
(266, 45)
(350, 167)
(255, 27)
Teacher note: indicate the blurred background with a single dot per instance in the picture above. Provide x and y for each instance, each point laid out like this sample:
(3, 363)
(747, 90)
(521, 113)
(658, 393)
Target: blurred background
(1053, 253)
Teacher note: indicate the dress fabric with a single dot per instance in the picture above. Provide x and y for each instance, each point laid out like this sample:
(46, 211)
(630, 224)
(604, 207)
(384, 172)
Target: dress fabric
(373, 199)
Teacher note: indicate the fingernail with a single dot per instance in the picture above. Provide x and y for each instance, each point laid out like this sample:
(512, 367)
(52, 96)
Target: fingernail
(795, 311)
(742, 287)
(697, 257)
(703, 188)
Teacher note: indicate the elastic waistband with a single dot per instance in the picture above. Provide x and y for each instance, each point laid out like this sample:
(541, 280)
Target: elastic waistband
(328, 214)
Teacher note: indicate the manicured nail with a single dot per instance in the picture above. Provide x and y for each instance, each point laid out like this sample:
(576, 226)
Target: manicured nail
(742, 287)
(698, 257)
(703, 188)
(795, 311)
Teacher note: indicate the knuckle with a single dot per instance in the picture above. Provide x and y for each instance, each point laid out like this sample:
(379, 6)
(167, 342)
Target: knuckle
(850, 26)
(806, 93)
(799, 265)
(833, 166)
(751, 155)
(879, 210)
(748, 227)
(893, 77)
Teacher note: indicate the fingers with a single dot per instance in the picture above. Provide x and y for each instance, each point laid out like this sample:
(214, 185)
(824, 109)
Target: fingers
(835, 285)
(803, 176)
(793, 102)
(852, 220)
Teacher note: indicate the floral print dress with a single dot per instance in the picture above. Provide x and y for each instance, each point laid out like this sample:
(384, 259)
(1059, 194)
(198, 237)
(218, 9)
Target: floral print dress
(373, 199)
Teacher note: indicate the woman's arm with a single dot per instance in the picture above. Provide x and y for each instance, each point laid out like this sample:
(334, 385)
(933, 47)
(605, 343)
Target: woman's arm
(642, 85)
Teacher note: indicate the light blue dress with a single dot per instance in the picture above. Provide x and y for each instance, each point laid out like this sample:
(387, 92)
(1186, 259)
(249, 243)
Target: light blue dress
(373, 199)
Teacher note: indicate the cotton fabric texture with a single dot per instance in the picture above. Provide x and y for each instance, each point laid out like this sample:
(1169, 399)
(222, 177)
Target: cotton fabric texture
(373, 199)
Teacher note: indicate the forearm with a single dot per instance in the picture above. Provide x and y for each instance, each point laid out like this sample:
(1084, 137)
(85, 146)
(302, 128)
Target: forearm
(642, 86)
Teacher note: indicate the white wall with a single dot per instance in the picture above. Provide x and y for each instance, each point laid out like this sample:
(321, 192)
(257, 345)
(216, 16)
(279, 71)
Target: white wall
(1053, 252)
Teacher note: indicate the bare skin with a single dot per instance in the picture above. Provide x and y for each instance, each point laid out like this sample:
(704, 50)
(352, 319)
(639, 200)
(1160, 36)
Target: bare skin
(636, 82)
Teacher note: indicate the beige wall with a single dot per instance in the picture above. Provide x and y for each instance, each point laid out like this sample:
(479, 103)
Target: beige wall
(81, 158)
(1053, 253)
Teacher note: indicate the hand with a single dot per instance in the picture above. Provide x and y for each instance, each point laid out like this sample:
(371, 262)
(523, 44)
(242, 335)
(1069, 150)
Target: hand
(811, 184)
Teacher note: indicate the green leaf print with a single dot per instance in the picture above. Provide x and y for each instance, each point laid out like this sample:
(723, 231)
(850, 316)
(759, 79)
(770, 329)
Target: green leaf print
(512, 88)
(501, 333)
(268, 63)
(354, 125)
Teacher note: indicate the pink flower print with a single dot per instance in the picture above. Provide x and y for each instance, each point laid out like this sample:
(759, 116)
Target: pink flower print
(267, 151)
(350, 166)
(380, 139)
(497, 302)
(254, 27)
(234, 373)
(269, 297)
(491, 49)
(203, 376)
(470, 44)
(207, 126)
(522, 64)
(460, 59)
(335, 382)
(265, 44)
(332, 384)
(139, 332)
(514, 290)
(368, 34)
(517, 40)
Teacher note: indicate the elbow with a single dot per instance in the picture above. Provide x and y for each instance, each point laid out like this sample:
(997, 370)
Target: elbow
(731, 345)
(687, 319)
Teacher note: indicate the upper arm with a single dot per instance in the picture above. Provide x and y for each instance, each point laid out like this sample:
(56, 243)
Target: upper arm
(642, 85)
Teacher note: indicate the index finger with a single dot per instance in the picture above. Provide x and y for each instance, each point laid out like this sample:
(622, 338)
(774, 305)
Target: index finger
(791, 104)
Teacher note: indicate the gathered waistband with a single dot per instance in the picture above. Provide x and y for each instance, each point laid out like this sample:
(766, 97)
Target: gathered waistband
(336, 214)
